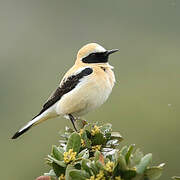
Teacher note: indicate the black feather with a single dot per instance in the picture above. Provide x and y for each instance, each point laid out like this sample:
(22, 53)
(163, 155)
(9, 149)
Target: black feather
(17, 134)
(69, 84)
(98, 57)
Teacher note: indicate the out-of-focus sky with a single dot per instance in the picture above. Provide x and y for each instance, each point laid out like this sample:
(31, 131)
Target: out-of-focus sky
(39, 40)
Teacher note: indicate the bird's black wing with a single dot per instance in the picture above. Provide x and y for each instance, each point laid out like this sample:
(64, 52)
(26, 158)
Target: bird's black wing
(69, 84)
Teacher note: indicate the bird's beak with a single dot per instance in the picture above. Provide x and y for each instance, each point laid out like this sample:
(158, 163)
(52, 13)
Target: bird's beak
(111, 51)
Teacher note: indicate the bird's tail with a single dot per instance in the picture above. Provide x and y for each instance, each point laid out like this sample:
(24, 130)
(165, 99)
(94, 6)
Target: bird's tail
(38, 119)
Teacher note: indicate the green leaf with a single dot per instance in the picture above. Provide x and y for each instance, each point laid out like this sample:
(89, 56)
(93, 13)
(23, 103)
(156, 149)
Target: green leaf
(84, 154)
(99, 165)
(122, 162)
(176, 177)
(56, 153)
(106, 128)
(78, 174)
(74, 142)
(61, 150)
(58, 169)
(98, 139)
(68, 170)
(116, 171)
(50, 173)
(97, 155)
(128, 154)
(136, 158)
(140, 168)
(154, 172)
(86, 140)
(124, 151)
(116, 135)
(94, 168)
(86, 165)
(60, 163)
(112, 143)
(129, 174)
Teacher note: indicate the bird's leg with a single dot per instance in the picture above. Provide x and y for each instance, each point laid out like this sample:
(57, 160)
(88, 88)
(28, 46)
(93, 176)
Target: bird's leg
(72, 120)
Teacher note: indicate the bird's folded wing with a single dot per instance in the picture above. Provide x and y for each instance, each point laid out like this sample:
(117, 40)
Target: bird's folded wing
(66, 86)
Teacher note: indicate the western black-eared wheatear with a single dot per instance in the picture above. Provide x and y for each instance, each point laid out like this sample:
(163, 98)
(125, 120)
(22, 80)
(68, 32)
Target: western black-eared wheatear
(84, 87)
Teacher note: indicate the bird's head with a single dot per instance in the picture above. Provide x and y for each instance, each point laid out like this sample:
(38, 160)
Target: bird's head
(94, 53)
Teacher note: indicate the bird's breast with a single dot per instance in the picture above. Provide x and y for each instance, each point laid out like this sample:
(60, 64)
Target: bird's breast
(103, 84)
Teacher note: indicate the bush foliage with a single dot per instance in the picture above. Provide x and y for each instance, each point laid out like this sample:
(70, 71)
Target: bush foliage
(95, 153)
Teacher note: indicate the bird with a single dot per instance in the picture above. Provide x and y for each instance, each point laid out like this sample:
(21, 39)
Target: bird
(84, 87)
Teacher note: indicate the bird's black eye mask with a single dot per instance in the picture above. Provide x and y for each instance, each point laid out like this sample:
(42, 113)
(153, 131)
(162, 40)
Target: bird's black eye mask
(99, 57)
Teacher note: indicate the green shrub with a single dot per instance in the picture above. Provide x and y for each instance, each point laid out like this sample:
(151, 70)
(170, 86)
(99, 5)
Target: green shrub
(94, 153)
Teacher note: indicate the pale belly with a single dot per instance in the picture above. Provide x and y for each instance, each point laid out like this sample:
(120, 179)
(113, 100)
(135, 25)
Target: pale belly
(84, 98)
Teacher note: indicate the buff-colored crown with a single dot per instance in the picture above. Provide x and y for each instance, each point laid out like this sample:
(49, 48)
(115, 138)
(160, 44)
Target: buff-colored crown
(88, 49)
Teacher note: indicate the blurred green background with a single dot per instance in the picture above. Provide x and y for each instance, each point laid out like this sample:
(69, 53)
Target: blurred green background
(39, 40)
